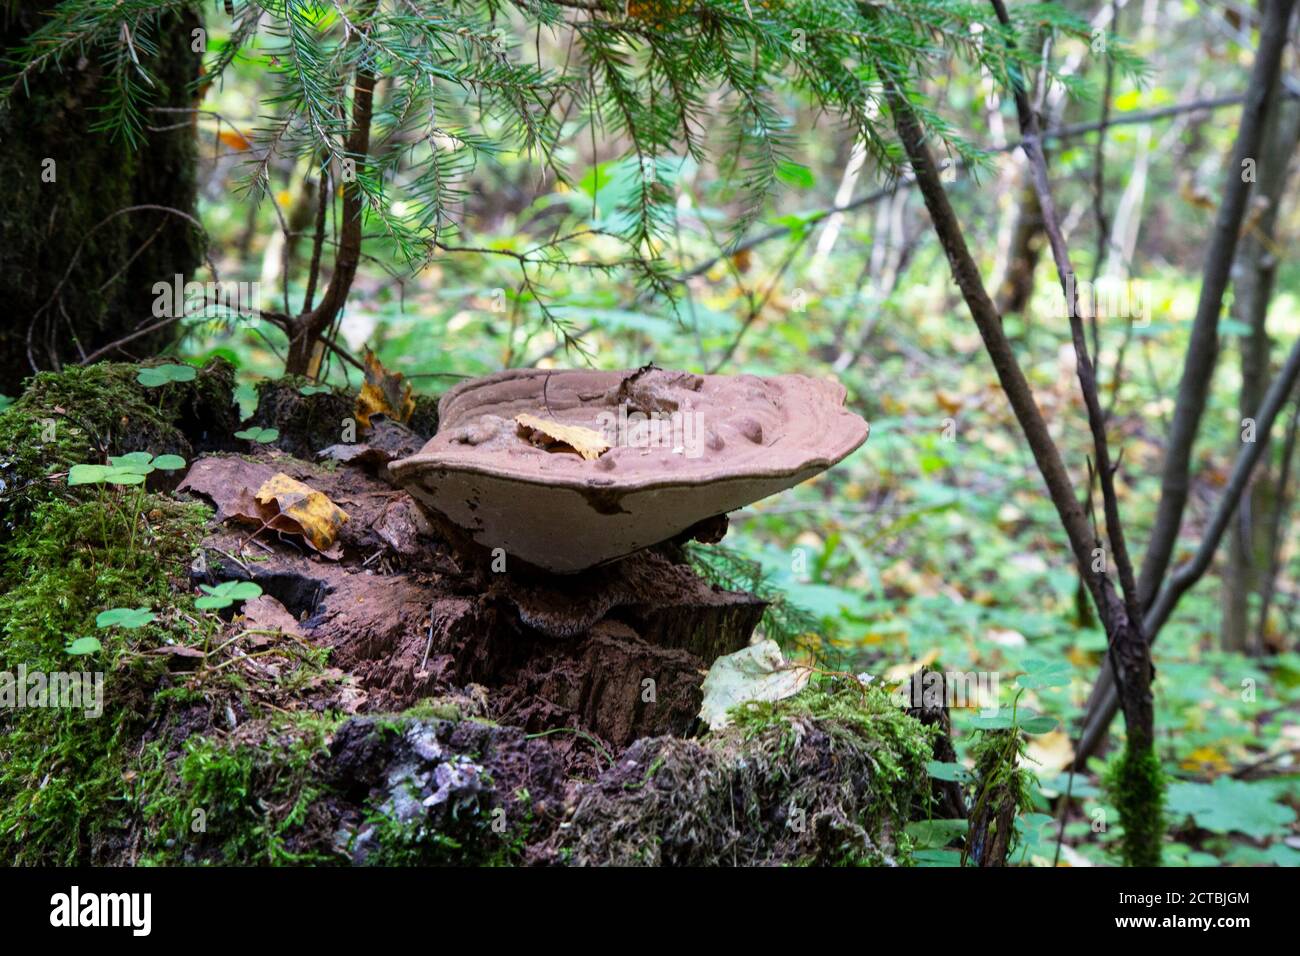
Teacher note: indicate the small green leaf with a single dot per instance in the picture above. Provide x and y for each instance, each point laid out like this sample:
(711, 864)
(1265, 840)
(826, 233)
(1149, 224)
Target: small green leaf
(123, 476)
(1038, 674)
(83, 645)
(947, 771)
(933, 834)
(261, 435)
(137, 462)
(165, 374)
(128, 617)
(998, 721)
(314, 390)
(88, 474)
(1038, 725)
(169, 462)
(227, 593)
(792, 174)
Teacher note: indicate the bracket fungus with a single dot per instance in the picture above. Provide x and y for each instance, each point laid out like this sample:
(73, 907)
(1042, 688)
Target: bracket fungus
(567, 470)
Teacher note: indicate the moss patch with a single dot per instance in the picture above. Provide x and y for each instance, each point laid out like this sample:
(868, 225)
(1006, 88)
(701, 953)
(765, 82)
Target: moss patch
(1135, 783)
(826, 777)
(1002, 792)
(81, 415)
(256, 797)
(63, 782)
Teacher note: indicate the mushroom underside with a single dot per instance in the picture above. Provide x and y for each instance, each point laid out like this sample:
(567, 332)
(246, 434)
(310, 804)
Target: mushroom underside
(568, 470)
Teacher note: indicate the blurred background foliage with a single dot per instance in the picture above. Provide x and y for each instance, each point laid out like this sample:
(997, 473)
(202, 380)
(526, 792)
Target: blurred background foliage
(934, 544)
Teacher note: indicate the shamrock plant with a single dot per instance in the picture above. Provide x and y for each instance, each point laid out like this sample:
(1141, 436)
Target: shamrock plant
(123, 470)
(127, 617)
(262, 436)
(159, 375)
(226, 593)
(129, 469)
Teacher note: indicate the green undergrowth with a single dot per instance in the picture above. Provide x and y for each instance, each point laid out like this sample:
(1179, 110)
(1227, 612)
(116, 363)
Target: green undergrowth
(828, 777)
(62, 773)
(863, 723)
(271, 794)
(80, 415)
(255, 799)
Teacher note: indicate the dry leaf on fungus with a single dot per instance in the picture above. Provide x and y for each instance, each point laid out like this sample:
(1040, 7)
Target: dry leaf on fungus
(587, 442)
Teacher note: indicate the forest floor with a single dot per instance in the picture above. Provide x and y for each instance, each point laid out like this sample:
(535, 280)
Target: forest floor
(284, 687)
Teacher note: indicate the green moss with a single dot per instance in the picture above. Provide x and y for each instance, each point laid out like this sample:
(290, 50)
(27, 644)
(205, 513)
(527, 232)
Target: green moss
(246, 801)
(1135, 783)
(1001, 793)
(828, 776)
(63, 793)
(868, 724)
(80, 414)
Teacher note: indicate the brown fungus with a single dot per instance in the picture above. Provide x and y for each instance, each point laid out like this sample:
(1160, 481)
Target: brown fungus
(664, 471)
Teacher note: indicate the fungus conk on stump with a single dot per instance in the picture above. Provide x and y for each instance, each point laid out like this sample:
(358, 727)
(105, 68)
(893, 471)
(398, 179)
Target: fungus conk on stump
(567, 470)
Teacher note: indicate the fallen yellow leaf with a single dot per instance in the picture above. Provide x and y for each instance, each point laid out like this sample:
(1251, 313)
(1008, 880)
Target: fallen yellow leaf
(1206, 760)
(383, 393)
(587, 442)
(1053, 751)
(235, 140)
(316, 517)
(949, 402)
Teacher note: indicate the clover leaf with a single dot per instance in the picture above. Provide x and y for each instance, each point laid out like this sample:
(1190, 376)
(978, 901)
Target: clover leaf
(226, 593)
(261, 435)
(159, 375)
(82, 646)
(1038, 674)
(128, 617)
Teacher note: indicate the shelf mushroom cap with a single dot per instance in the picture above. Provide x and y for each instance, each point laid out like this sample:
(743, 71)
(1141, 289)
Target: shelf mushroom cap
(570, 469)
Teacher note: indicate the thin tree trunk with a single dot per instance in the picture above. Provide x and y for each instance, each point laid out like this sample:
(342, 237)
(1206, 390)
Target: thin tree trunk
(1275, 537)
(1202, 350)
(1017, 282)
(307, 329)
(1249, 547)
